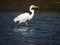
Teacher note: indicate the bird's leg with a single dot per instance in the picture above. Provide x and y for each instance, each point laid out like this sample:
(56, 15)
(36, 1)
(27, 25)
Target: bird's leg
(26, 24)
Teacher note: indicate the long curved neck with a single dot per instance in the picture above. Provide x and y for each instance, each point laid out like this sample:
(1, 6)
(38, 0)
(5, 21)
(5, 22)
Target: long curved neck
(32, 12)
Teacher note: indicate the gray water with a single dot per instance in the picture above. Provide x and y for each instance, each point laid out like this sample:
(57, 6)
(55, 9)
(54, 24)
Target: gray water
(43, 29)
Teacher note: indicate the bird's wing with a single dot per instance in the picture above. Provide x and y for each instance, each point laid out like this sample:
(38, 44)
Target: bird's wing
(23, 17)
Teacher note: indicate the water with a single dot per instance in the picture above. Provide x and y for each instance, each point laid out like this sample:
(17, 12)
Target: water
(43, 29)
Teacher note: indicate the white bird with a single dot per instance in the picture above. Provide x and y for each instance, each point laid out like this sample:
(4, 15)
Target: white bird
(25, 16)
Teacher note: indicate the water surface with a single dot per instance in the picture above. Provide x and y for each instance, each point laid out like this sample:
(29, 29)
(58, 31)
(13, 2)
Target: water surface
(44, 29)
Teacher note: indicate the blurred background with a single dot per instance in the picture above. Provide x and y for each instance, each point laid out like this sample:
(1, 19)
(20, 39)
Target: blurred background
(23, 5)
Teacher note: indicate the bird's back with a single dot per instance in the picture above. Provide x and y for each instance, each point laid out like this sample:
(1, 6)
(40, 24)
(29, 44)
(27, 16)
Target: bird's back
(22, 17)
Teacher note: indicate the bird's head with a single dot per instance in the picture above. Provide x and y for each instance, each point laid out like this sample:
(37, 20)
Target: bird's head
(34, 6)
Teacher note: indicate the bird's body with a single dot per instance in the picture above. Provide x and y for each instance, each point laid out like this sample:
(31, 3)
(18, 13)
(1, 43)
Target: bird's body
(22, 18)
(25, 16)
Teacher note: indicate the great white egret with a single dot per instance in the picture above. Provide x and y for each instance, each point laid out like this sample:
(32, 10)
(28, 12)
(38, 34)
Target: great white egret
(25, 16)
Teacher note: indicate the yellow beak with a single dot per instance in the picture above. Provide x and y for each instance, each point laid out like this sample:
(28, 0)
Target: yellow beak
(35, 6)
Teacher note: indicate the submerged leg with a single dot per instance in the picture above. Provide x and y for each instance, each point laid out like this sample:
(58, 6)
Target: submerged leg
(26, 24)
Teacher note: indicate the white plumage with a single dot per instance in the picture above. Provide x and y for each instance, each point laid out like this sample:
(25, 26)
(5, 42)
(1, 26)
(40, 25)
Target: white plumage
(25, 16)
(22, 18)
